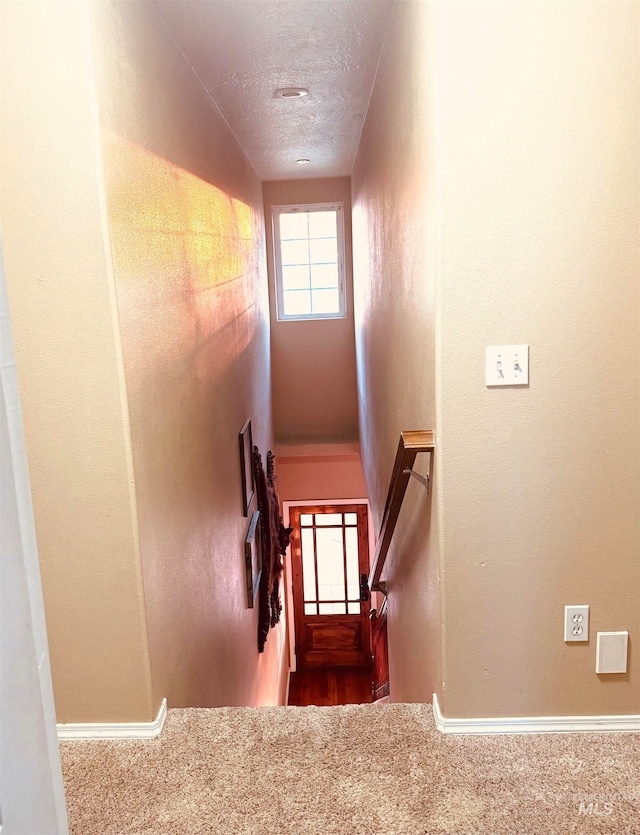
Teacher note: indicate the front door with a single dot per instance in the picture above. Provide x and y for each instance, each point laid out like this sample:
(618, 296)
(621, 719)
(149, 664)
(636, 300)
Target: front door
(329, 551)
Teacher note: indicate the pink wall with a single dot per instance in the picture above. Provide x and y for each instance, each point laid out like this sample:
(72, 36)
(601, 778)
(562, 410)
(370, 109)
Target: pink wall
(307, 473)
(187, 237)
(313, 362)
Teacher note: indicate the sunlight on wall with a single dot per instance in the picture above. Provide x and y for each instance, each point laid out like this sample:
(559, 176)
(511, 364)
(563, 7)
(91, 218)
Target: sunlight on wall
(188, 237)
(189, 277)
(183, 216)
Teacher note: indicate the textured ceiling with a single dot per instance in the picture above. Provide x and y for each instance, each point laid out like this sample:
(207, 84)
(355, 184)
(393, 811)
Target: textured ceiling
(243, 50)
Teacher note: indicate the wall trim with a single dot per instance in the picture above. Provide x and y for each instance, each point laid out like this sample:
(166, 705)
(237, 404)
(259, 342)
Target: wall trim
(535, 724)
(115, 730)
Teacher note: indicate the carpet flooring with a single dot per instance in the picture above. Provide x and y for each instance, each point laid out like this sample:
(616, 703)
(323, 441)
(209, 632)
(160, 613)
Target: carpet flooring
(349, 770)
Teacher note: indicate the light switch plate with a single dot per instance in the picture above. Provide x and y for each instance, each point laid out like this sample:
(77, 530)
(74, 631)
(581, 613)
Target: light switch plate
(507, 365)
(611, 652)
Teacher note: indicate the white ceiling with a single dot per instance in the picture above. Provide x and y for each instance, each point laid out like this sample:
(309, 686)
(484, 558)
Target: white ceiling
(243, 50)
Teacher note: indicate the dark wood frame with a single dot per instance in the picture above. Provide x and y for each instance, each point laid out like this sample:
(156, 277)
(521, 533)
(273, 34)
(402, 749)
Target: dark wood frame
(253, 559)
(360, 622)
(246, 467)
(411, 444)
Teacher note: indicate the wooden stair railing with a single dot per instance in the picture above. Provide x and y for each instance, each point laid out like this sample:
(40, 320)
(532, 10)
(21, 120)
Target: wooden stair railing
(411, 444)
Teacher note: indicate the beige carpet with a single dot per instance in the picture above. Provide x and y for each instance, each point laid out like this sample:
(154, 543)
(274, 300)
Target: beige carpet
(352, 770)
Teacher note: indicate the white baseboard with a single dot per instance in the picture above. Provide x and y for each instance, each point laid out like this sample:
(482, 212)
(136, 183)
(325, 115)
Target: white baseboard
(115, 730)
(535, 724)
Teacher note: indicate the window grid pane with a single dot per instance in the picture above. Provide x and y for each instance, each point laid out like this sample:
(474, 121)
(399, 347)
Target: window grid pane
(296, 277)
(297, 302)
(325, 301)
(294, 225)
(309, 240)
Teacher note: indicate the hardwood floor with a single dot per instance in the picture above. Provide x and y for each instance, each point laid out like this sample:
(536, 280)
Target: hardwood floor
(325, 686)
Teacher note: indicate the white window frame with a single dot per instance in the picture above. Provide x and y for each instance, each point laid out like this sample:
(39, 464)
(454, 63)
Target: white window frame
(276, 211)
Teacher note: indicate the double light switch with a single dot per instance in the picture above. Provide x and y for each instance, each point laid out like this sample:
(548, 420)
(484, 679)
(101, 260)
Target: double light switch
(507, 365)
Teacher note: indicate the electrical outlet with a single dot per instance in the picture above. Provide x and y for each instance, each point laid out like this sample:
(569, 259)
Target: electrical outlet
(576, 623)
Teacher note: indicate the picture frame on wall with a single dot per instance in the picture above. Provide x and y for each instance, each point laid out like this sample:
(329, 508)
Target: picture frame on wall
(246, 467)
(253, 559)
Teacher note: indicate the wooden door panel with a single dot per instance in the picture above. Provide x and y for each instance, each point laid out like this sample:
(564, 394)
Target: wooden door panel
(330, 639)
(332, 644)
(342, 635)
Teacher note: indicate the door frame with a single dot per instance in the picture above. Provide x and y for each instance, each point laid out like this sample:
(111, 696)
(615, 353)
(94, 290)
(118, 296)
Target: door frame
(288, 569)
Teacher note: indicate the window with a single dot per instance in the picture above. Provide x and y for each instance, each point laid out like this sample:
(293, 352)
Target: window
(309, 261)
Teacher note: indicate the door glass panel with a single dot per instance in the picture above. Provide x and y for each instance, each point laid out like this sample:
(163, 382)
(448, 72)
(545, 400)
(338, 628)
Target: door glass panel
(312, 608)
(354, 608)
(353, 584)
(332, 608)
(308, 566)
(331, 584)
(351, 518)
(306, 519)
(328, 518)
(294, 225)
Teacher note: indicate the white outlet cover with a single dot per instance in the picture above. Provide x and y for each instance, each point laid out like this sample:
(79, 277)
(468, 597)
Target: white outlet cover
(507, 365)
(576, 623)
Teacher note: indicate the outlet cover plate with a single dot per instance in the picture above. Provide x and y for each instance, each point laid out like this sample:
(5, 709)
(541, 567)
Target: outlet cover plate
(576, 623)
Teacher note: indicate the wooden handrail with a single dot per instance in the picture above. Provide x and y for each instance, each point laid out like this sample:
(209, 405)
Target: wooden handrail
(411, 444)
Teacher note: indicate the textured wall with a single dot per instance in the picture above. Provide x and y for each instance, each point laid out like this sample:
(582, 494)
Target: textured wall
(70, 367)
(538, 181)
(529, 164)
(394, 288)
(313, 363)
(187, 236)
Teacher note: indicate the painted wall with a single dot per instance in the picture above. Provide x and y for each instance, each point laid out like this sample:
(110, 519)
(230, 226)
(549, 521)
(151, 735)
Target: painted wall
(187, 237)
(70, 366)
(538, 137)
(141, 349)
(395, 320)
(307, 472)
(313, 362)
(529, 165)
